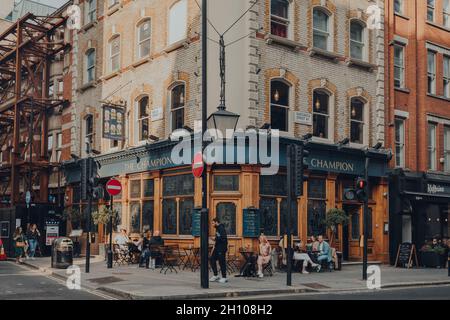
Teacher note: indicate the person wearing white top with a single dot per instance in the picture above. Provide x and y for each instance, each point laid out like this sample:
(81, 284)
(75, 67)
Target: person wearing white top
(298, 255)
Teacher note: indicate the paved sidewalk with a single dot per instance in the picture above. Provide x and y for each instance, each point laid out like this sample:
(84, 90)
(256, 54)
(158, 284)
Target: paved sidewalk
(131, 282)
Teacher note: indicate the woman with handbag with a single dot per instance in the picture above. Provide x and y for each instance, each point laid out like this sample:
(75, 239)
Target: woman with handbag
(19, 244)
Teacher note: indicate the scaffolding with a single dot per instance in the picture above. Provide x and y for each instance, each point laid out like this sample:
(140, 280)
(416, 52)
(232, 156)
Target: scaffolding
(27, 49)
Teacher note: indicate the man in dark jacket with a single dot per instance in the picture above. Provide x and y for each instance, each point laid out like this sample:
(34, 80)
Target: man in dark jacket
(219, 252)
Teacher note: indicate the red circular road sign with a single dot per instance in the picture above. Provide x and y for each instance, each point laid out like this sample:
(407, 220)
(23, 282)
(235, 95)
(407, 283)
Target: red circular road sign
(113, 187)
(197, 165)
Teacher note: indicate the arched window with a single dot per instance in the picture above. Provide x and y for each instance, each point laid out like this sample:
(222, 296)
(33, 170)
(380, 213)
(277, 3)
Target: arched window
(321, 114)
(114, 54)
(90, 66)
(177, 103)
(144, 38)
(143, 119)
(357, 121)
(357, 40)
(321, 29)
(279, 105)
(279, 15)
(177, 22)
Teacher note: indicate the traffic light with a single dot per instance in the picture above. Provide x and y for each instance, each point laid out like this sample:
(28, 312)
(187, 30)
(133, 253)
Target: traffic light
(301, 165)
(361, 185)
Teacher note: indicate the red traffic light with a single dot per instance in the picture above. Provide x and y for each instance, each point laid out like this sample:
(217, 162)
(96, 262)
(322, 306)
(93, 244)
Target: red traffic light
(361, 184)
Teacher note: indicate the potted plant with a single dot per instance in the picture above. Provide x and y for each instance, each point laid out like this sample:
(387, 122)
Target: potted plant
(74, 216)
(103, 215)
(335, 217)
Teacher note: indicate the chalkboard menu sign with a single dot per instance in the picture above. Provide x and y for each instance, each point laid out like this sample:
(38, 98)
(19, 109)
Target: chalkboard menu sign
(252, 223)
(113, 122)
(405, 254)
(196, 217)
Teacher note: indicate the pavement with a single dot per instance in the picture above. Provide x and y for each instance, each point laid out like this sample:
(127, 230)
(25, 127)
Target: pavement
(131, 282)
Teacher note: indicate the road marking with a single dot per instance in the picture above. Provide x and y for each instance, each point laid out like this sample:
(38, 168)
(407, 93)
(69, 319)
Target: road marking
(63, 283)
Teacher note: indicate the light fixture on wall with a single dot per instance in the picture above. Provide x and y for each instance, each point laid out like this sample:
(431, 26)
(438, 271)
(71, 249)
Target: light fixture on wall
(353, 111)
(317, 104)
(182, 99)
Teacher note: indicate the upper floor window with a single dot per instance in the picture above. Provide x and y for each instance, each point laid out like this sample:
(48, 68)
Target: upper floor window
(321, 29)
(114, 54)
(91, 11)
(399, 66)
(177, 103)
(279, 15)
(321, 114)
(144, 38)
(431, 72)
(357, 121)
(143, 119)
(431, 5)
(279, 105)
(447, 149)
(447, 76)
(177, 22)
(398, 6)
(432, 146)
(89, 129)
(446, 12)
(357, 40)
(58, 146)
(399, 142)
(90, 66)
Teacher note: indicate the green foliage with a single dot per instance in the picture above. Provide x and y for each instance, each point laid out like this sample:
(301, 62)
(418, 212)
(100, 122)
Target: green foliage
(336, 217)
(103, 215)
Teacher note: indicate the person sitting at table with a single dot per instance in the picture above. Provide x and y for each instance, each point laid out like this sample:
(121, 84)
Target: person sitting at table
(156, 241)
(264, 255)
(314, 244)
(122, 239)
(145, 251)
(324, 254)
(299, 255)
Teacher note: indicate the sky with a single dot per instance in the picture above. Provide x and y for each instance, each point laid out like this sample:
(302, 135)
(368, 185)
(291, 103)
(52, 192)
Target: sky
(52, 3)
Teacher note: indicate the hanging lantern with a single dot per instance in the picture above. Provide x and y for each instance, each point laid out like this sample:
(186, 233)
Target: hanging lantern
(276, 96)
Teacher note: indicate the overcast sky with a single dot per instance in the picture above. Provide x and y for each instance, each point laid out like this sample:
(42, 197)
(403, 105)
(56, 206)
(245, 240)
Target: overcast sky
(53, 3)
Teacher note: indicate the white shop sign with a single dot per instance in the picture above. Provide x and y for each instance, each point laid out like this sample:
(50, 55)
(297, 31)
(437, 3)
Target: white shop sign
(303, 118)
(157, 114)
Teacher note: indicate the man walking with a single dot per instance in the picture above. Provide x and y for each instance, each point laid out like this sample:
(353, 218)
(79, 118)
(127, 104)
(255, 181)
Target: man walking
(219, 252)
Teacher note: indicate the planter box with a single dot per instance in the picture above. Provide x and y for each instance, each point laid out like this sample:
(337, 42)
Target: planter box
(432, 260)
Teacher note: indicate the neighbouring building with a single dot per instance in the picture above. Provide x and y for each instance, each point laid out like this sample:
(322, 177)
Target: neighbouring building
(307, 66)
(418, 119)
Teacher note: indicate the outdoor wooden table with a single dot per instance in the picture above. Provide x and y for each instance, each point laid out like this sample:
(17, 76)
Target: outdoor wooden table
(248, 255)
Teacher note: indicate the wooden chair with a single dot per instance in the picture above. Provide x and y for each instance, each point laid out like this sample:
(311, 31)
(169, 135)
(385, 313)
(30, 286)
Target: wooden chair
(169, 260)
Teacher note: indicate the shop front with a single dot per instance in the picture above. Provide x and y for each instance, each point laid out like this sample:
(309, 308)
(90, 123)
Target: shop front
(420, 205)
(160, 195)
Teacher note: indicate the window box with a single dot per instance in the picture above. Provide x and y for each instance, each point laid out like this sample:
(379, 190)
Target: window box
(294, 45)
(177, 45)
(438, 97)
(87, 86)
(141, 62)
(88, 26)
(404, 90)
(351, 62)
(323, 53)
(111, 75)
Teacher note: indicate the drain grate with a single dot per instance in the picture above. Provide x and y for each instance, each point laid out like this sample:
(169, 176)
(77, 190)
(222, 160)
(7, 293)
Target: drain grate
(315, 285)
(122, 273)
(106, 280)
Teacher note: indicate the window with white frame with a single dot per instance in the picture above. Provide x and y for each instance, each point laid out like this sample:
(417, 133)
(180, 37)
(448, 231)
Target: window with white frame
(143, 119)
(446, 13)
(51, 89)
(399, 66)
(447, 149)
(50, 146)
(279, 18)
(114, 54)
(431, 58)
(321, 114)
(89, 129)
(321, 29)
(446, 75)
(90, 11)
(177, 104)
(431, 5)
(399, 142)
(357, 121)
(398, 6)
(144, 38)
(432, 152)
(90, 66)
(357, 45)
(279, 105)
(177, 22)
(58, 146)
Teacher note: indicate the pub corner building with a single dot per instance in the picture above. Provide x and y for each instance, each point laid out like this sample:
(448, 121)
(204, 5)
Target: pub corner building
(159, 195)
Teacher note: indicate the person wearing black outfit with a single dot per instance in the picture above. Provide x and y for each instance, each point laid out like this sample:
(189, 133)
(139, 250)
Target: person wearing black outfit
(156, 241)
(145, 253)
(219, 252)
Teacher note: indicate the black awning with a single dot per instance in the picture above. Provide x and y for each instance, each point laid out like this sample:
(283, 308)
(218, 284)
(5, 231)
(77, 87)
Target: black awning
(418, 196)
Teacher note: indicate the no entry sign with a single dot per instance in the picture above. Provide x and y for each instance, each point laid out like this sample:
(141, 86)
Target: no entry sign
(113, 187)
(197, 165)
